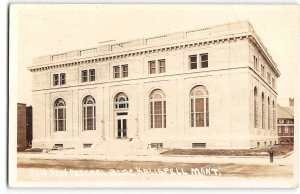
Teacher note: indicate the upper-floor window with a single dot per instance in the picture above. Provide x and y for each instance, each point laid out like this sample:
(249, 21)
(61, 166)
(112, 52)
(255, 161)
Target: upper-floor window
(88, 75)
(158, 66)
(269, 77)
(280, 121)
(122, 73)
(262, 71)
(59, 79)
(279, 130)
(255, 62)
(203, 61)
(124, 70)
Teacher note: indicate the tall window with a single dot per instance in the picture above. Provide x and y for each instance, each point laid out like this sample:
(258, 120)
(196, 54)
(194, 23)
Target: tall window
(55, 79)
(89, 113)
(193, 61)
(60, 115)
(255, 108)
(116, 72)
(121, 101)
(157, 109)
(62, 78)
(199, 107)
(124, 70)
(152, 67)
(162, 66)
(204, 60)
(269, 114)
(263, 112)
(274, 115)
(84, 76)
(92, 75)
(262, 71)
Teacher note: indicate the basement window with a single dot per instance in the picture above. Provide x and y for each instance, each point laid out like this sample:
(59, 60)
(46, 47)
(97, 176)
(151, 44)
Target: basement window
(58, 145)
(156, 145)
(198, 145)
(87, 145)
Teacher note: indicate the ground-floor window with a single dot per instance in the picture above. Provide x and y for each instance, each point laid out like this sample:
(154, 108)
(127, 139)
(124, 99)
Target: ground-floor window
(89, 113)
(199, 107)
(60, 115)
(157, 109)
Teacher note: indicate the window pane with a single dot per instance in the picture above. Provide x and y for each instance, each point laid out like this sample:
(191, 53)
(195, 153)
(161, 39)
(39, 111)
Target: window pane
(207, 105)
(157, 107)
(201, 119)
(60, 125)
(151, 108)
(90, 124)
(199, 104)
(151, 121)
(192, 120)
(89, 112)
(204, 60)
(197, 119)
(158, 121)
(192, 105)
(207, 119)
(193, 61)
(60, 113)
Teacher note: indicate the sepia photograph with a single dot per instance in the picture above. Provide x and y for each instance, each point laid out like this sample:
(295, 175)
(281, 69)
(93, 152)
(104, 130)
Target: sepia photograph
(153, 96)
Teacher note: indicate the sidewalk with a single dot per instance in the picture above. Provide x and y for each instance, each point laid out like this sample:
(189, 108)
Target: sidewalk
(154, 155)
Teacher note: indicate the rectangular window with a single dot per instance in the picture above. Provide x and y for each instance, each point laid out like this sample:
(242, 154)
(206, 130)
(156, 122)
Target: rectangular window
(152, 69)
(262, 71)
(279, 130)
(204, 60)
(62, 78)
(124, 70)
(55, 79)
(162, 66)
(92, 75)
(269, 77)
(193, 61)
(286, 130)
(116, 72)
(273, 82)
(84, 76)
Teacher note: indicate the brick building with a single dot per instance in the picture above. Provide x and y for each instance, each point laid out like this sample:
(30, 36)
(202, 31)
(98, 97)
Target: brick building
(211, 87)
(285, 118)
(24, 125)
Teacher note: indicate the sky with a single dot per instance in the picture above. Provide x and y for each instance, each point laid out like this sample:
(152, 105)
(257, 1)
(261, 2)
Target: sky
(39, 30)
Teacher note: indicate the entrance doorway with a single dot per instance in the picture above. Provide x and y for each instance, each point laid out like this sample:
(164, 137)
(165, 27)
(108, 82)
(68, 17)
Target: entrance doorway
(121, 126)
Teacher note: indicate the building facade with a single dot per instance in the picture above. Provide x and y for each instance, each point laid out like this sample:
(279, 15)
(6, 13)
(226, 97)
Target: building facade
(24, 125)
(213, 87)
(286, 123)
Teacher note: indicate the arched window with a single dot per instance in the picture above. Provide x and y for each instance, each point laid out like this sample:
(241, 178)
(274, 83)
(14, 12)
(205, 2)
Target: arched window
(89, 113)
(255, 108)
(60, 115)
(157, 109)
(269, 114)
(199, 107)
(263, 111)
(121, 101)
(274, 115)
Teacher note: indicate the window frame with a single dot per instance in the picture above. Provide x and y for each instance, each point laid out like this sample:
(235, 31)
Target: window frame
(157, 98)
(85, 108)
(116, 74)
(60, 105)
(191, 63)
(193, 97)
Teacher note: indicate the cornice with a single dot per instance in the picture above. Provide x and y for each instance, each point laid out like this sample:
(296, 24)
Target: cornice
(139, 52)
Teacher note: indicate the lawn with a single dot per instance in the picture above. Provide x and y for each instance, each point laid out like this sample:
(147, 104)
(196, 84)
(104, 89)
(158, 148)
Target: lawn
(279, 150)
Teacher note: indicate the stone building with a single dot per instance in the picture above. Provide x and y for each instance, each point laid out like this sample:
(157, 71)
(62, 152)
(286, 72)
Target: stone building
(286, 122)
(212, 87)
